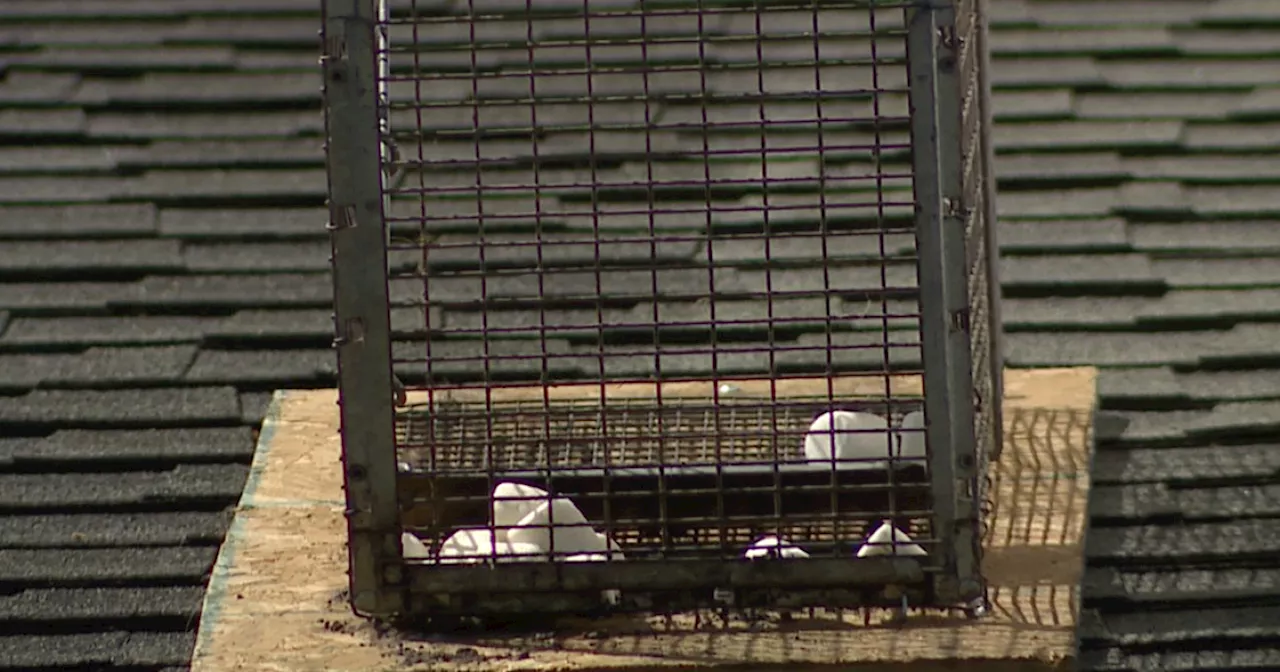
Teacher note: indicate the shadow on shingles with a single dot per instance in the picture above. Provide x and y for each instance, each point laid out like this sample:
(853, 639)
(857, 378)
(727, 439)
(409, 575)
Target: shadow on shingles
(1109, 427)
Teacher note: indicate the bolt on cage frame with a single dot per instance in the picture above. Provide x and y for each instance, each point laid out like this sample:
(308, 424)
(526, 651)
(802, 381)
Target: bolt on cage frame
(954, 215)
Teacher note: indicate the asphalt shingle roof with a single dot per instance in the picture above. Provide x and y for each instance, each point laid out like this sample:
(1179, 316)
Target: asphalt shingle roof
(163, 268)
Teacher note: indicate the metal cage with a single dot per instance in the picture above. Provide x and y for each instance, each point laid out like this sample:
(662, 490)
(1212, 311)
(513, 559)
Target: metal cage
(603, 269)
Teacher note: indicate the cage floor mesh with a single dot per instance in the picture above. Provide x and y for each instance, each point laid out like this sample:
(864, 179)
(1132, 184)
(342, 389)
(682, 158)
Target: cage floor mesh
(451, 440)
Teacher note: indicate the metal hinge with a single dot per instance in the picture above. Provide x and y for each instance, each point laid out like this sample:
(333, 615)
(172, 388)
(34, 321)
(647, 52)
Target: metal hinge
(341, 217)
(335, 47)
(352, 331)
(952, 207)
(948, 38)
(348, 331)
(398, 391)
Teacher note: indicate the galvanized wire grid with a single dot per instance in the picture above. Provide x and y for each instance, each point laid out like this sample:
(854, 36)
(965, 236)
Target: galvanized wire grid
(574, 187)
(684, 192)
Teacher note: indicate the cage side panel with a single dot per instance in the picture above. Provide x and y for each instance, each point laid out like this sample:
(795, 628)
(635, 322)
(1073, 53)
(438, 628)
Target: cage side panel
(981, 41)
(935, 97)
(982, 249)
(696, 193)
(361, 321)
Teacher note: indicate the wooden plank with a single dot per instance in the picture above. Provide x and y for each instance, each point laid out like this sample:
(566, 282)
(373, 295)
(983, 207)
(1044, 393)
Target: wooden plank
(276, 597)
(854, 387)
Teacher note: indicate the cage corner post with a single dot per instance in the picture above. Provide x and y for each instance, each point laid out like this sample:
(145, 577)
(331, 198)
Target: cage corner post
(945, 339)
(361, 312)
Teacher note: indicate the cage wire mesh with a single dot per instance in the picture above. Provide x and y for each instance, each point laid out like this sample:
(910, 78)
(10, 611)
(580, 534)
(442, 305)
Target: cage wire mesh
(657, 279)
(981, 249)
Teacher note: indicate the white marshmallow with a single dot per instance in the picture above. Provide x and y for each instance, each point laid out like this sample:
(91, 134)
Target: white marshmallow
(517, 552)
(879, 543)
(413, 547)
(478, 545)
(773, 547)
(467, 546)
(871, 442)
(533, 529)
(586, 557)
(912, 443)
(613, 551)
(513, 501)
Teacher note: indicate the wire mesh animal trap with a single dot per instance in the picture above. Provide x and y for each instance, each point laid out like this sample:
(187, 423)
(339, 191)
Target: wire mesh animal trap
(644, 305)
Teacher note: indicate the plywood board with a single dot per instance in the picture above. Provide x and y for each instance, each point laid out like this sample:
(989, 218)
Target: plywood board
(850, 387)
(276, 600)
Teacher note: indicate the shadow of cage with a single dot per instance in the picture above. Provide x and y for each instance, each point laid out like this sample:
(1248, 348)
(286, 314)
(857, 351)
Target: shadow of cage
(1032, 556)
